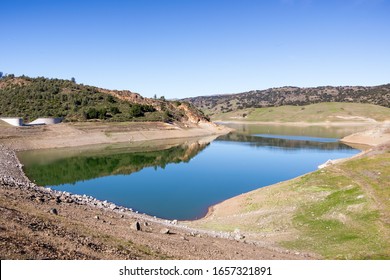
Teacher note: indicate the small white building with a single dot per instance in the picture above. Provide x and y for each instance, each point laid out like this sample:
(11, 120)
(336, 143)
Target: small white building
(41, 121)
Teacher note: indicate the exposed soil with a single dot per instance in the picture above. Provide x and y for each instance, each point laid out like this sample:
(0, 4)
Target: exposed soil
(90, 133)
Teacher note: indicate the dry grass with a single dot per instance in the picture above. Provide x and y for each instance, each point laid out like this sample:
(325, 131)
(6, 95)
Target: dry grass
(321, 112)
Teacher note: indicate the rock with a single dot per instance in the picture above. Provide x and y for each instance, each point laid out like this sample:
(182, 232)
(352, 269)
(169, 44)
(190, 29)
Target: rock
(165, 231)
(113, 206)
(238, 236)
(174, 222)
(97, 217)
(135, 226)
(53, 211)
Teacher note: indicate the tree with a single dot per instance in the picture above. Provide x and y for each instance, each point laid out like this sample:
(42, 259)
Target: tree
(136, 111)
(110, 99)
(1, 75)
(73, 80)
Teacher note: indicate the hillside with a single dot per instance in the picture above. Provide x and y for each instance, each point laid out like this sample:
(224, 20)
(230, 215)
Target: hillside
(320, 112)
(31, 98)
(273, 97)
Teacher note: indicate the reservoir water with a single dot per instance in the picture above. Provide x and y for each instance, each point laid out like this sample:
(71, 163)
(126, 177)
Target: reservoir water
(180, 179)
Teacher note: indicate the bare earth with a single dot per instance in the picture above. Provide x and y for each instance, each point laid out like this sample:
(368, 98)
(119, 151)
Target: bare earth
(90, 133)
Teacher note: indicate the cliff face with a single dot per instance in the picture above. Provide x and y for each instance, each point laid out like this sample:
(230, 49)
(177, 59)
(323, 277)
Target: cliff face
(183, 111)
(31, 98)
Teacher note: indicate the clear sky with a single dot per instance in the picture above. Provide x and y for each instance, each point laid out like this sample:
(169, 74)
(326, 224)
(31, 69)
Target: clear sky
(182, 48)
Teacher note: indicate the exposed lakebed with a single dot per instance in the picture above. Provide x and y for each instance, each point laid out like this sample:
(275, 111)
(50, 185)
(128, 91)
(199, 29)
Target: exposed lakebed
(181, 179)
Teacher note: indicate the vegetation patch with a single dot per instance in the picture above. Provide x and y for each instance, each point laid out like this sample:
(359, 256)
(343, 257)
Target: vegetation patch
(32, 98)
(294, 96)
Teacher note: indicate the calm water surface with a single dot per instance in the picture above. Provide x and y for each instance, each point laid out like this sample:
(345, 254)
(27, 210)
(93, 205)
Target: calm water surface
(181, 180)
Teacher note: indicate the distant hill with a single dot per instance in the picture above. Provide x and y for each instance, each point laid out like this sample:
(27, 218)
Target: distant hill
(314, 113)
(273, 97)
(31, 98)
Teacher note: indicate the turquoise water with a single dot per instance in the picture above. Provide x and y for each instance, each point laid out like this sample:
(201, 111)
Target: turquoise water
(182, 181)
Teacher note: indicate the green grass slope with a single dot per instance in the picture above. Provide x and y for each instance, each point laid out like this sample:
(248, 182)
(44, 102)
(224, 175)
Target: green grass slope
(340, 212)
(320, 112)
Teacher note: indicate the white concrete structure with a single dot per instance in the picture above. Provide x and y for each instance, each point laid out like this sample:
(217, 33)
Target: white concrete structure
(41, 121)
(13, 121)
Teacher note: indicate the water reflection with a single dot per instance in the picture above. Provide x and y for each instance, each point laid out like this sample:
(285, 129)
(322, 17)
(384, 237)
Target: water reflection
(181, 180)
(54, 167)
(335, 132)
(285, 142)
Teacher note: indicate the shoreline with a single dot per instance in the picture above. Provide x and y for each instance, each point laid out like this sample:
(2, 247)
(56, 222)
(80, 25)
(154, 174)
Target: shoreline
(13, 180)
(367, 140)
(67, 135)
(19, 180)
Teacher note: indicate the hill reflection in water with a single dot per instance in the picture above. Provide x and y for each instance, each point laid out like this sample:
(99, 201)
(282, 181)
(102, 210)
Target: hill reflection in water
(180, 180)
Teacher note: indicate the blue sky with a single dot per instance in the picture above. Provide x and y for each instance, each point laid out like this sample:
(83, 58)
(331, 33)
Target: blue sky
(188, 48)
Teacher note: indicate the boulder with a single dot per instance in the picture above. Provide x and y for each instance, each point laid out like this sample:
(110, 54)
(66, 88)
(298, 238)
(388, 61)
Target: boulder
(135, 226)
(165, 231)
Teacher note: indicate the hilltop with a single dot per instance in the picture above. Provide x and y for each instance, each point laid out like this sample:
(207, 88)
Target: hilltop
(294, 96)
(31, 98)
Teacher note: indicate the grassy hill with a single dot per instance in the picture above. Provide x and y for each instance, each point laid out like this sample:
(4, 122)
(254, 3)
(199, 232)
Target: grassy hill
(274, 97)
(320, 112)
(31, 98)
(339, 212)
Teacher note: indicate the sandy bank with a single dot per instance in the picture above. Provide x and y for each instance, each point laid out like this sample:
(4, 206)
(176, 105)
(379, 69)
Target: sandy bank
(376, 133)
(81, 134)
(379, 135)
